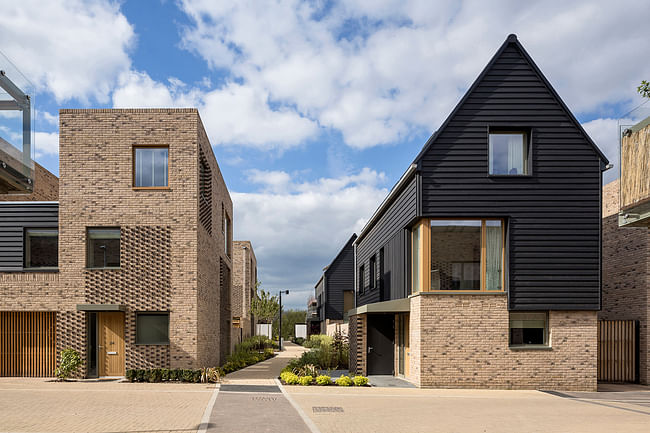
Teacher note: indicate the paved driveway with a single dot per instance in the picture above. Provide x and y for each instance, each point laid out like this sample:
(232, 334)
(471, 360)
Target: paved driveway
(39, 405)
(395, 410)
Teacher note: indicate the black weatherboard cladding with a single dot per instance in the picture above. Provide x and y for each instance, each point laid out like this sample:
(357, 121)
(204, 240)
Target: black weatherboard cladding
(339, 277)
(553, 216)
(14, 218)
(389, 232)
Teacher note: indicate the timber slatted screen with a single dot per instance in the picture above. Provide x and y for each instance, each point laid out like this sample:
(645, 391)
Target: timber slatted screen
(617, 350)
(27, 344)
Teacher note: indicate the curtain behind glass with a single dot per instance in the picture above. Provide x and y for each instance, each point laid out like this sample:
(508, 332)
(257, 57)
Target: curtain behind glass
(151, 167)
(494, 257)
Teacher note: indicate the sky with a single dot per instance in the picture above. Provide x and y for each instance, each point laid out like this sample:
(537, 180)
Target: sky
(315, 108)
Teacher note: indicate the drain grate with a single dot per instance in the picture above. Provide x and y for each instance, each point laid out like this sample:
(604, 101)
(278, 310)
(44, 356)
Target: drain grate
(327, 409)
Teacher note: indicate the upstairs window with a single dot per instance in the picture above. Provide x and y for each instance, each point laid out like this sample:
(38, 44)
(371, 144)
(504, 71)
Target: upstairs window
(41, 248)
(373, 272)
(150, 167)
(362, 278)
(509, 153)
(225, 229)
(103, 248)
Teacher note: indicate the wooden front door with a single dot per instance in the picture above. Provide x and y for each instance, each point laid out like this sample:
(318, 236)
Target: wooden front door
(111, 344)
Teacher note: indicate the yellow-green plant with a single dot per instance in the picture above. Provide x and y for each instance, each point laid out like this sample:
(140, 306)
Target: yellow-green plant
(323, 380)
(360, 381)
(344, 381)
(306, 380)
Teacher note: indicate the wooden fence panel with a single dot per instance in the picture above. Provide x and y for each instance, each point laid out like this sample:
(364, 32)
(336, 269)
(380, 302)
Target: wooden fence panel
(27, 343)
(617, 351)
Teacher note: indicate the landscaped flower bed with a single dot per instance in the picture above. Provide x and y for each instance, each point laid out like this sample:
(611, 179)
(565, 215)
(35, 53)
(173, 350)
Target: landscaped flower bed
(248, 352)
(290, 378)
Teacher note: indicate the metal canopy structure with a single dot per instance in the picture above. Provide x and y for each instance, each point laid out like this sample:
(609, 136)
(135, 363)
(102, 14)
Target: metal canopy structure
(16, 150)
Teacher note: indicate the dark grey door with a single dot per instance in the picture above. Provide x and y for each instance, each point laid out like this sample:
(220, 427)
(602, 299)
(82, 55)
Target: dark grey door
(381, 336)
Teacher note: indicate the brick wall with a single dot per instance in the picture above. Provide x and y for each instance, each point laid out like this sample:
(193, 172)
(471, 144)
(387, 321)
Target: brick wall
(46, 187)
(244, 275)
(213, 314)
(626, 275)
(96, 189)
(464, 344)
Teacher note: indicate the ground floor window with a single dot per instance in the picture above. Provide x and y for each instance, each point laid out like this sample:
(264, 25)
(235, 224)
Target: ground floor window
(528, 328)
(152, 328)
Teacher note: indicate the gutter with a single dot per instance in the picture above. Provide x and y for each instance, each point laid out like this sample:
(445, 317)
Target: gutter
(387, 201)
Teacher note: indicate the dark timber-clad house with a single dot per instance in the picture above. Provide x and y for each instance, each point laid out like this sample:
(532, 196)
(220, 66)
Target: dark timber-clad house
(482, 266)
(335, 291)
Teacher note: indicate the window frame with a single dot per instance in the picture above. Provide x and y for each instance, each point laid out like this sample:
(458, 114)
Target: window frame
(151, 313)
(361, 281)
(88, 248)
(547, 332)
(528, 134)
(148, 146)
(425, 256)
(26, 250)
(372, 268)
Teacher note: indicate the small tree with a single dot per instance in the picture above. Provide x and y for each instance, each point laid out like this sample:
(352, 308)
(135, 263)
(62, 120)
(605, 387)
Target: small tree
(70, 362)
(264, 306)
(644, 89)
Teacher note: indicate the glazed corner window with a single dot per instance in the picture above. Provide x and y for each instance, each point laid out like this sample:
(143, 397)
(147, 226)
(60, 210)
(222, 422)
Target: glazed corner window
(152, 328)
(41, 248)
(528, 329)
(103, 248)
(150, 167)
(509, 153)
(458, 255)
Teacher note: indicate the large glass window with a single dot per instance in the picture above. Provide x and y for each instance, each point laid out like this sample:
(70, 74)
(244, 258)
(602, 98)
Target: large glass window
(456, 255)
(462, 254)
(528, 328)
(152, 328)
(151, 167)
(41, 248)
(103, 248)
(508, 153)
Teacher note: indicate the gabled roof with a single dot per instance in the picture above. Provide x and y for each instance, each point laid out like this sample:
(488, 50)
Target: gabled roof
(512, 40)
(347, 244)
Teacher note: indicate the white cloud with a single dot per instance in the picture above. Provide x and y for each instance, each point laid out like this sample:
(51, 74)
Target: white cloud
(233, 114)
(46, 143)
(297, 227)
(72, 48)
(379, 70)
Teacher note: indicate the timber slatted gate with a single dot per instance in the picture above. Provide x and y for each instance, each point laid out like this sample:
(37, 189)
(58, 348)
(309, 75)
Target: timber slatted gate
(27, 343)
(617, 350)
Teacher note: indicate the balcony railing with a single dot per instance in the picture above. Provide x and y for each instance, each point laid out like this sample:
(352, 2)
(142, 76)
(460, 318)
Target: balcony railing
(635, 174)
(16, 130)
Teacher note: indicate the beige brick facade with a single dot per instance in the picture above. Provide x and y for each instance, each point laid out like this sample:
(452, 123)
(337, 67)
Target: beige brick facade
(626, 275)
(461, 341)
(168, 260)
(244, 278)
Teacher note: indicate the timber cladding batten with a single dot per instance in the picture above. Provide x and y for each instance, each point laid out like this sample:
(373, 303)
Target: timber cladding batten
(27, 343)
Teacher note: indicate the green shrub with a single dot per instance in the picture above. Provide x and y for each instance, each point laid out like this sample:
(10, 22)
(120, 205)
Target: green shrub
(323, 380)
(291, 378)
(298, 340)
(344, 381)
(306, 380)
(318, 340)
(360, 380)
(70, 363)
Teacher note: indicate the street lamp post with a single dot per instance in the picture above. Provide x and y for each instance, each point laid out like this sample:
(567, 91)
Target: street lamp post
(286, 292)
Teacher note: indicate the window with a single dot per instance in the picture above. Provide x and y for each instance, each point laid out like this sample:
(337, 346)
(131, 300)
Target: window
(103, 248)
(373, 272)
(225, 229)
(41, 248)
(528, 329)
(152, 328)
(150, 167)
(362, 278)
(464, 254)
(508, 153)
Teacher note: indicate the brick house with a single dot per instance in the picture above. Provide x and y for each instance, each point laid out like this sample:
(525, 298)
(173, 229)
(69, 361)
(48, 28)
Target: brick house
(481, 268)
(626, 276)
(130, 265)
(244, 280)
